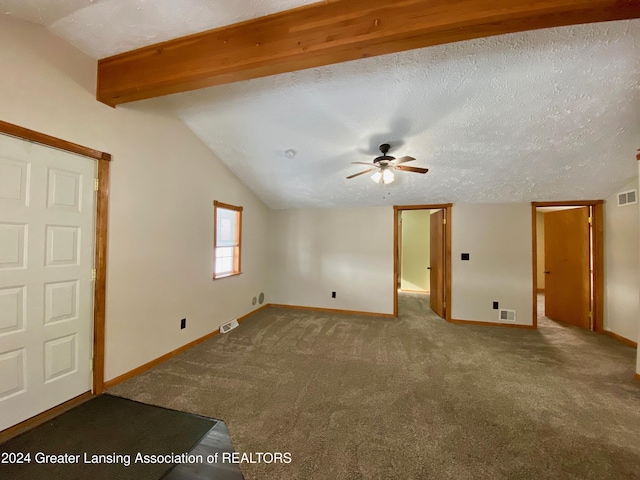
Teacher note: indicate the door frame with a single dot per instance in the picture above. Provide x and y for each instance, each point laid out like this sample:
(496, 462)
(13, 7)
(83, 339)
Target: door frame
(101, 224)
(447, 207)
(597, 255)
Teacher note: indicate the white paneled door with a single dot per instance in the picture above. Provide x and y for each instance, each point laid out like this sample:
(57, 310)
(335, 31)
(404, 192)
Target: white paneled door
(47, 215)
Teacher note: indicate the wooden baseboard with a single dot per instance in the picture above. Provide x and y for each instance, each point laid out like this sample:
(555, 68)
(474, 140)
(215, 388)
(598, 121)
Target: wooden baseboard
(637, 376)
(404, 290)
(332, 310)
(490, 324)
(167, 356)
(620, 338)
(43, 417)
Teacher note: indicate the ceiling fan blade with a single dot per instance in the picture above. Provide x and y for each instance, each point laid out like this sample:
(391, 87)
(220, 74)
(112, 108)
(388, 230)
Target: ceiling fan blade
(411, 169)
(364, 163)
(400, 160)
(361, 173)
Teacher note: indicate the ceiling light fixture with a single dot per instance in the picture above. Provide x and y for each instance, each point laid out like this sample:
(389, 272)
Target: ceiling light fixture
(386, 176)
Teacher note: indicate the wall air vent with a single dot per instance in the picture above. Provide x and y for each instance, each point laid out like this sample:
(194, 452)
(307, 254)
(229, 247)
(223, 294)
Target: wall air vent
(627, 198)
(227, 327)
(507, 315)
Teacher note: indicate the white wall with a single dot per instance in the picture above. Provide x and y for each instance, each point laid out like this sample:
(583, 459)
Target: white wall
(414, 274)
(621, 267)
(163, 183)
(315, 252)
(498, 239)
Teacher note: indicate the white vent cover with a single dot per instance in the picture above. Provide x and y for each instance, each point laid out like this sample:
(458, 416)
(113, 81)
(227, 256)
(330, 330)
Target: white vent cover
(227, 327)
(627, 198)
(507, 315)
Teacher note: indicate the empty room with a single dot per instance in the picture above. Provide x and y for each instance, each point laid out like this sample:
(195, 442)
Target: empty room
(319, 240)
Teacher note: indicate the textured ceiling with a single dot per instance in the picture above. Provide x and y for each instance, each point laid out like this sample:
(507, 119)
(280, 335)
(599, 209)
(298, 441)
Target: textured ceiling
(545, 115)
(102, 28)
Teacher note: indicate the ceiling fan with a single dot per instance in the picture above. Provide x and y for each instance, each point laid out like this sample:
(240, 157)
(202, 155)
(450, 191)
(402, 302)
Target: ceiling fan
(385, 164)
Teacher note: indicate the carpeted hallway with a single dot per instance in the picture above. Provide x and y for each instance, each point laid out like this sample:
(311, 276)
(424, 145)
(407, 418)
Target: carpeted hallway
(411, 398)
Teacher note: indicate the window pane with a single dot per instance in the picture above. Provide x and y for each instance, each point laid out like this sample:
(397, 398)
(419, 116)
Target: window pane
(224, 252)
(224, 265)
(227, 240)
(226, 227)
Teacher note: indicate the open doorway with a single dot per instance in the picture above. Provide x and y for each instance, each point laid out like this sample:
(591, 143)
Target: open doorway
(422, 257)
(568, 277)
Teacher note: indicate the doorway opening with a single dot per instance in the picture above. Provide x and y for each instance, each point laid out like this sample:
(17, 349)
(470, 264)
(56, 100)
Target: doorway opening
(568, 260)
(422, 256)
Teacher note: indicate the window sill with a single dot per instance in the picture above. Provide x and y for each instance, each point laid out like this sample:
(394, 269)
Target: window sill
(226, 275)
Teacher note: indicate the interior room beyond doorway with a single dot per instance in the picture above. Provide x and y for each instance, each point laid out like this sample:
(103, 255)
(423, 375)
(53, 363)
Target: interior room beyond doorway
(422, 256)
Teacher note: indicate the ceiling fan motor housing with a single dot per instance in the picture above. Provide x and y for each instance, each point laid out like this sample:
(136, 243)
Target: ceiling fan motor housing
(384, 148)
(383, 158)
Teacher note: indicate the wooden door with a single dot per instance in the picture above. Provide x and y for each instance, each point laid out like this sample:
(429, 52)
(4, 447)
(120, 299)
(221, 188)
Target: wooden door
(567, 276)
(47, 215)
(436, 236)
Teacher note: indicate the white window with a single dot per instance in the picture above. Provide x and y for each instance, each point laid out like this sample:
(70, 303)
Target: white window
(227, 239)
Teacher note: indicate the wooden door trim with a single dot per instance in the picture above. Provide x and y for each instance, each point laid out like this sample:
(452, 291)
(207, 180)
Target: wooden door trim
(101, 220)
(597, 225)
(447, 252)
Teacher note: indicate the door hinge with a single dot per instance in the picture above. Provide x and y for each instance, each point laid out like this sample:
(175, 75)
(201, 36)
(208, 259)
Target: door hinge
(590, 220)
(93, 274)
(590, 314)
(96, 184)
(444, 221)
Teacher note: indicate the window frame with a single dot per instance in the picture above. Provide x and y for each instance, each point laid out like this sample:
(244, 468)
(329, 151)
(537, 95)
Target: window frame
(237, 255)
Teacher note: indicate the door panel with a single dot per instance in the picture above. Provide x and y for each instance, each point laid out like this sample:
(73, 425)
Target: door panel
(47, 214)
(567, 277)
(437, 263)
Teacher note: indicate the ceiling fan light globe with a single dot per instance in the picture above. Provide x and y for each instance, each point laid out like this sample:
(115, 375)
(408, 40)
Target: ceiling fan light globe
(376, 177)
(387, 177)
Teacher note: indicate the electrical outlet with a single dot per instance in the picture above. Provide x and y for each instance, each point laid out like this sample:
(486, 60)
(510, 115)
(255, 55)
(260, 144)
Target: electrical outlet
(495, 305)
(183, 323)
(464, 256)
(333, 294)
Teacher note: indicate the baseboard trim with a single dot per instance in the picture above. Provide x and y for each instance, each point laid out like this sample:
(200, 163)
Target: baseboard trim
(620, 338)
(490, 324)
(43, 417)
(637, 376)
(423, 292)
(332, 310)
(143, 368)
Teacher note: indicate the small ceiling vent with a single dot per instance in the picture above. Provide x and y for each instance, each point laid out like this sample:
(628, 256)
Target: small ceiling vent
(627, 198)
(507, 315)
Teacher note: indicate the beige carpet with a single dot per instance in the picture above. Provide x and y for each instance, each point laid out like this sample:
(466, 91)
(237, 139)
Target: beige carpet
(411, 398)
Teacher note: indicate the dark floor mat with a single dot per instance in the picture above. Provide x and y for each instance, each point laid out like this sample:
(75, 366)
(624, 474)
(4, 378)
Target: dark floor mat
(122, 431)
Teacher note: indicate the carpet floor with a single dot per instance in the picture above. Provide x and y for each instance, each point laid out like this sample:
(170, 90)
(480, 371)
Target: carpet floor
(353, 397)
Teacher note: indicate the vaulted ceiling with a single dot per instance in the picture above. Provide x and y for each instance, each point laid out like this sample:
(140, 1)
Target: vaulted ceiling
(549, 114)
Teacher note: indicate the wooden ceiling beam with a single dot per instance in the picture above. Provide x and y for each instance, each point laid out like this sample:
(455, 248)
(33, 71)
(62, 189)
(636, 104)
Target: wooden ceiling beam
(331, 32)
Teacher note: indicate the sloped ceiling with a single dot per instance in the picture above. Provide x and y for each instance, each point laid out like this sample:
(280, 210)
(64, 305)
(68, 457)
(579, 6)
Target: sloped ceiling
(544, 115)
